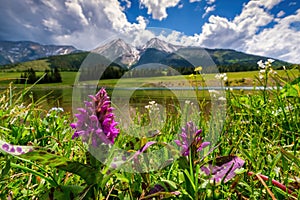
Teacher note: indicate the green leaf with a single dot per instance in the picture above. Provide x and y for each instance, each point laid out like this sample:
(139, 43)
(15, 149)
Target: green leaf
(190, 186)
(291, 157)
(6, 169)
(89, 174)
(45, 158)
(275, 161)
(247, 155)
(171, 184)
(63, 192)
(162, 195)
(291, 89)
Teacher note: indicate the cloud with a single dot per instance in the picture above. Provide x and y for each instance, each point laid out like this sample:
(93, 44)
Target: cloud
(75, 9)
(127, 2)
(210, 1)
(84, 24)
(192, 1)
(52, 25)
(280, 14)
(270, 3)
(158, 8)
(280, 41)
(208, 9)
(247, 32)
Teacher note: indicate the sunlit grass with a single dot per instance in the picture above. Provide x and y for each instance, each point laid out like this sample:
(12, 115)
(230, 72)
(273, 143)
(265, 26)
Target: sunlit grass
(262, 128)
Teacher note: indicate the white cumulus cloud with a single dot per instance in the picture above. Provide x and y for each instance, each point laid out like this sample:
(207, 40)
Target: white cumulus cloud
(280, 41)
(245, 33)
(75, 8)
(158, 8)
(83, 24)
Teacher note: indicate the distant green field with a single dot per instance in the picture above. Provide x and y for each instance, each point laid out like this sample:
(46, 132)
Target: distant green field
(36, 65)
(234, 78)
(67, 77)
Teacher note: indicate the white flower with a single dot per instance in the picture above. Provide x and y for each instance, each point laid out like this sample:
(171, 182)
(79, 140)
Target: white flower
(262, 71)
(222, 77)
(187, 102)
(151, 102)
(56, 109)
(270, 60)
(222, 98)
(284, 68)
(261, 64)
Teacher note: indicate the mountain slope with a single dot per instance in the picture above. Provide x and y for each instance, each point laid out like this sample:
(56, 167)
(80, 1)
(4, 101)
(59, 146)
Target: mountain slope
(119, 53)
(15, 52)
(158, 44)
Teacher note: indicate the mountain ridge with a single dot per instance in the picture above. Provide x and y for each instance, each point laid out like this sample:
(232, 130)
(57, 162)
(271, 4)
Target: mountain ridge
(155, 50)
(21, 51)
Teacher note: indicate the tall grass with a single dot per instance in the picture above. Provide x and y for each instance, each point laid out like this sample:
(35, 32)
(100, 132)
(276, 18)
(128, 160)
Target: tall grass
(261, 128)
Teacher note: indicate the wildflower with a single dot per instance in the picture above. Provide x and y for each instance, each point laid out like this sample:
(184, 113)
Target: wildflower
(95, 122)
(192, 76)
(270, 60)
(187, 102)
(261, 64)
(224, 169)
(265, 68)
(153, 106)
(57, 109)
(262, 71)
(222, 77)
(152, 103)
(198, 69)
(222, 98)
(190, 138)
(284, 67)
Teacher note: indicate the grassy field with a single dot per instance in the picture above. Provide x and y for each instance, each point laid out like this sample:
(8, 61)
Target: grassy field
(234, 79)
(246, 149)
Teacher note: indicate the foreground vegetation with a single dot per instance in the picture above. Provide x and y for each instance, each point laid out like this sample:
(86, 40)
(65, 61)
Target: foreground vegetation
(257, 151)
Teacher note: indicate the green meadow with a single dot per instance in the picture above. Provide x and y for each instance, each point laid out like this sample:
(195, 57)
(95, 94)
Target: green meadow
(234, 79)
(246, 148)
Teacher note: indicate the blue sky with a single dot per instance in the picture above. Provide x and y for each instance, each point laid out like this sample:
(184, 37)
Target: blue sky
(263, 27)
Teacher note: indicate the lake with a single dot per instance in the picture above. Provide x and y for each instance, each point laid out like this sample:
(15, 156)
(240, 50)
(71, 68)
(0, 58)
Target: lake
(135, 97)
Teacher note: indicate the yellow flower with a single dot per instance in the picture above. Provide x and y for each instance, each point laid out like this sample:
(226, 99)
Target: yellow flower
(198, 69)
(191, 76)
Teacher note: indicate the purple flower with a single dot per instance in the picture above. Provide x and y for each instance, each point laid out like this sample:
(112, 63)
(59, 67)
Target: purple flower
(224, 168)
(95, 123)
(190, 138)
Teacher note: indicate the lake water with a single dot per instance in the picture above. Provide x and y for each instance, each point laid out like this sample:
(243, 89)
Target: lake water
(136, 97)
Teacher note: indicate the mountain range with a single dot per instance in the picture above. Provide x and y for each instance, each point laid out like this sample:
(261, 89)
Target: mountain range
(158, 51)
(22, 51)
(127, 56)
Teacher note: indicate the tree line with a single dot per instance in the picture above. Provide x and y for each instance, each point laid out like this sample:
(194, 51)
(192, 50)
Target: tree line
(50, 76)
